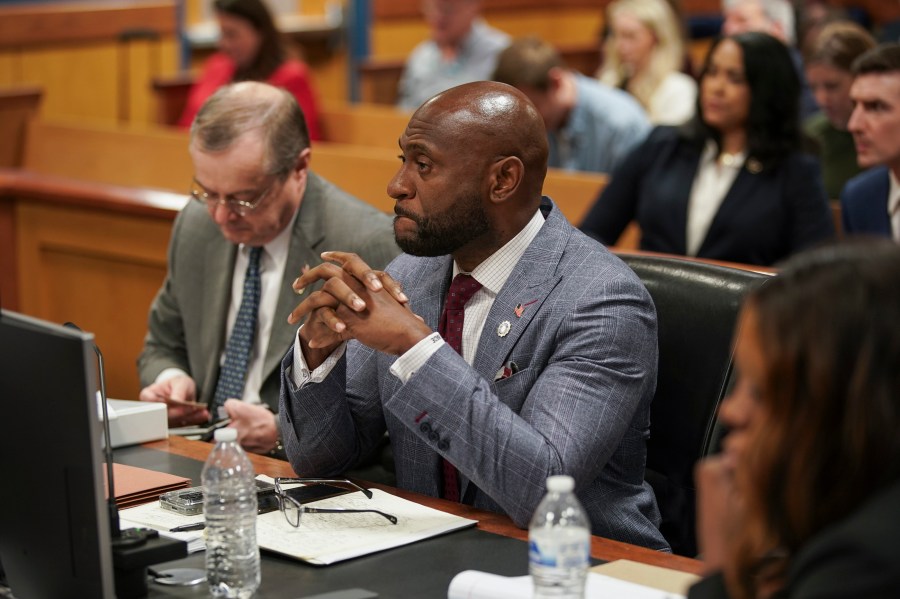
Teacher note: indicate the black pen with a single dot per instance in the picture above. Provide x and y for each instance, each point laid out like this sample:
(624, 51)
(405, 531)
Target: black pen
(189, 527)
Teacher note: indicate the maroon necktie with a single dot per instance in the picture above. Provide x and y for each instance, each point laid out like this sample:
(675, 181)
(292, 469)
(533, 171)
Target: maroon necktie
(450, 328)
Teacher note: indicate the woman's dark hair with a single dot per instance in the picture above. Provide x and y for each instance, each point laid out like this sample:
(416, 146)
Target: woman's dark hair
(773, 123)
(830, 326)
(272, 49)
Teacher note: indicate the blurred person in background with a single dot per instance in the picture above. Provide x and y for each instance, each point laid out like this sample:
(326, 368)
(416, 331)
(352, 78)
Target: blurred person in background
(870, 201)
(462, 48)
(803, 500)
(252, 49)
(591, 126)
(777, 18)
(643, 55)
(731, 184)
(827, 58)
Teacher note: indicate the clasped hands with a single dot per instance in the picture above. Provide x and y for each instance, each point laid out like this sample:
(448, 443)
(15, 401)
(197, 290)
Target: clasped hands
(355, 302)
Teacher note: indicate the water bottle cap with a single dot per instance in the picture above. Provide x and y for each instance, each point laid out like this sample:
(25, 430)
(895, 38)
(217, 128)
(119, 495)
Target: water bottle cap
(561, 483)
(226, 435)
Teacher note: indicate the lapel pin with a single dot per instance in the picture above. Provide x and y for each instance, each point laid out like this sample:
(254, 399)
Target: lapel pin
(754, 166)
(520, 308)
(503, 328)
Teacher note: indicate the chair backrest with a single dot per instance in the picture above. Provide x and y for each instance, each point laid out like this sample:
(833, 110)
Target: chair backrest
(696, 305)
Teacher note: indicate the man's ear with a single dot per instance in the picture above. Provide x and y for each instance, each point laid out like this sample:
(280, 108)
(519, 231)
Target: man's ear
(303, 160)
(554, 80)
(506, 176)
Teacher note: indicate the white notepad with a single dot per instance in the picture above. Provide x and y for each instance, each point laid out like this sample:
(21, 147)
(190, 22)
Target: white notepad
(329, 538)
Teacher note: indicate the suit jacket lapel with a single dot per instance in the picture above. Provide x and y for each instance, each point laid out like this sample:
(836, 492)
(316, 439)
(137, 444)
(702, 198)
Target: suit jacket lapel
(682, 183)
(217, 270)
(745, 185)
(532, 279)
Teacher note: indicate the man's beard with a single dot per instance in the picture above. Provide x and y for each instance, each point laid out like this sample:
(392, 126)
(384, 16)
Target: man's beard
(446, 232)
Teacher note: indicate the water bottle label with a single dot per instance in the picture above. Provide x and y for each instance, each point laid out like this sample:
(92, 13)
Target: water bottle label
(559, 554)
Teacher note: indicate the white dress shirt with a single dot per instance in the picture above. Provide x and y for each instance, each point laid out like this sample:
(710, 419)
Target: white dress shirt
(894, 205)
(711, 184)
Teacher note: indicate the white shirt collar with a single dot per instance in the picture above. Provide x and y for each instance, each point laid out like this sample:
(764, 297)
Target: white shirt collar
(496, 268)
(894, 194)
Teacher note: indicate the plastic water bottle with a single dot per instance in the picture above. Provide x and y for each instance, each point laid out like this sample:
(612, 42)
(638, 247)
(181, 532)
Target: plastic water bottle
(229, 507)
(559, 542)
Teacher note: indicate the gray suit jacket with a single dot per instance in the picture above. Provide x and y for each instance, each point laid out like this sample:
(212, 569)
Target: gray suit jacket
(186, 326)
(585, 352)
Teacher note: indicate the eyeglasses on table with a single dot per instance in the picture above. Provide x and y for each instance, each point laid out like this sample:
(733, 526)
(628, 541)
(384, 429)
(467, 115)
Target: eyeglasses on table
(293, 510)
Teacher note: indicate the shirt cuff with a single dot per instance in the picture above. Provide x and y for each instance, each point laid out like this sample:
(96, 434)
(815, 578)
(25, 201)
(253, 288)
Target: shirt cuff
(301, 374)
(169, 373)
(406, 365)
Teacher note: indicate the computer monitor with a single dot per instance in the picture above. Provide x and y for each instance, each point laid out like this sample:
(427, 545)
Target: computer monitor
(54, 523)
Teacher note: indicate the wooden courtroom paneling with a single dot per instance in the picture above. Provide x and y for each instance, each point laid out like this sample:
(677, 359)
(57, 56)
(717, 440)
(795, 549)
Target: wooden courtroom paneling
(18, 106)
(567, 25)
(144, 157)
(94, 60)
(91, 259)
(158, 158)
(373, 125)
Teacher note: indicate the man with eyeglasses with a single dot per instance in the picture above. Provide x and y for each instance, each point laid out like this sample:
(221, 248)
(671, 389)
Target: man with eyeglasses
(258, 215)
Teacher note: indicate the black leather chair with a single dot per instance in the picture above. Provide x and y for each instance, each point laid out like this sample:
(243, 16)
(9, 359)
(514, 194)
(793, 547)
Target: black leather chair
(696, 305)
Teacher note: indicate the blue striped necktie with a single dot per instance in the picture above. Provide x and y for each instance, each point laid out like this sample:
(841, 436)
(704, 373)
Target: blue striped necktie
(240, 342)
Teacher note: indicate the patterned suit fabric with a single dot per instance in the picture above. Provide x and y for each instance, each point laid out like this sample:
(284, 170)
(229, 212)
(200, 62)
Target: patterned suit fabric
(240, 342)
(585, 350)
(461, 291)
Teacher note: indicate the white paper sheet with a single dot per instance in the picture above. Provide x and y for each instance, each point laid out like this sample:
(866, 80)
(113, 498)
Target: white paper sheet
(327, 538)
(473, 584)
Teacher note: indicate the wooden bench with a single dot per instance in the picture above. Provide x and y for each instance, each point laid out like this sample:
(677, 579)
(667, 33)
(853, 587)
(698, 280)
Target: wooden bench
(158, 158)
(380, 77)
(18, 106)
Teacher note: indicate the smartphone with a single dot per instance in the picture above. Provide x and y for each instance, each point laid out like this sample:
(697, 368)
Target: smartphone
(189, 502)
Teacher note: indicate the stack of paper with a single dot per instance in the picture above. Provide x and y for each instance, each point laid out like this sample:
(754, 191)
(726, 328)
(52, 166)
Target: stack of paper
(135, 486)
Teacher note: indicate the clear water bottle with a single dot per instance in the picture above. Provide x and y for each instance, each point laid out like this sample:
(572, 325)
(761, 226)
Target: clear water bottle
(229, 507)
(559, 542)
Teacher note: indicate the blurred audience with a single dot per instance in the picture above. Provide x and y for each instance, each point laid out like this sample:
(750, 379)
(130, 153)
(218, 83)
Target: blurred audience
(462, 48)
(590, 125)
(870, 202)
(828, 58)
(777, 18)
(731, 184)
(643, 55)
(252, 49)
(803, 500)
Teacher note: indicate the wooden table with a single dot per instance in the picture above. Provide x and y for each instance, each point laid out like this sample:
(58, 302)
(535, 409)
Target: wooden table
(601, 548)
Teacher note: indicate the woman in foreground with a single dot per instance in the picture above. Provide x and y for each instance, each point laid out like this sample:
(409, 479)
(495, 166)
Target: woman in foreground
(804, 500)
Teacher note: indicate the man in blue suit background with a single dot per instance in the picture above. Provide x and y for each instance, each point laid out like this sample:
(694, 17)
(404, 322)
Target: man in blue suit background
(549, 367)
(870, 202)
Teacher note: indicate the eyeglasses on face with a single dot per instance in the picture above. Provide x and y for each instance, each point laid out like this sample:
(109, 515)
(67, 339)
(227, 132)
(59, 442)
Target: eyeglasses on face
(241, 203)
(293, 510)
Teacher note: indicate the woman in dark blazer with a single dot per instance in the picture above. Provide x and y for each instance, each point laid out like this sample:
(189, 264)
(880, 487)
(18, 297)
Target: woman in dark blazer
(732, 184)
(804, 500)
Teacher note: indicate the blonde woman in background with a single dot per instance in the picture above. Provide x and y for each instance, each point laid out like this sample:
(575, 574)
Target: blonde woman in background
(643, 55)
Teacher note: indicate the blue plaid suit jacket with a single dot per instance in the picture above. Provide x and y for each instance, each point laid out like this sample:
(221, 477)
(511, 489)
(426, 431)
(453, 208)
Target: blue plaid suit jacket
(579, 403)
